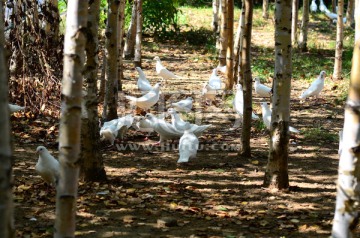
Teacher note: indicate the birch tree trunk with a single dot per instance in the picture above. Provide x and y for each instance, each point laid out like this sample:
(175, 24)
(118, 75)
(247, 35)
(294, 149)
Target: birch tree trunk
(247, 86)
(223, 34)
(339, 41)
(111, 59)
(265, 8)
(92, 166)
(70, 119)
(294, 21)
(7, 228)
(238, 45)
(131, 33)
(346, 216)
(137, 58)
(302, 43)
(215, 20)
(121, 43)
(350, 20)
(230, 46)
(276, 173)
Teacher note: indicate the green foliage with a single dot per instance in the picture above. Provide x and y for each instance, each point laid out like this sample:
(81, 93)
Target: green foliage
(159, 17)
(319, 134)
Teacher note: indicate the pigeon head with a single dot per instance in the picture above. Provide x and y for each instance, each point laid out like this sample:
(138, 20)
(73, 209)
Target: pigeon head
(257, 80)
(264, 104)
(322, 74)
(138, 69)
(41, 149)
(238, 87)
(150, 116)
(190, 98)
(157, 58)
(171, 111)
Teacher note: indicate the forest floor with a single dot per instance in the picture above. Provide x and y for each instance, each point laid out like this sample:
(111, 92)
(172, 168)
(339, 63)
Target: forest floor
(219, 194)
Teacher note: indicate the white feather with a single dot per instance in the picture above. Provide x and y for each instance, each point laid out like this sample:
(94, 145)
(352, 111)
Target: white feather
(162, 71)
(47, 166)
(261, 89)
(215, 80)
(188, 145)
(313, 6)
(142, 82)
(148, 100)
(183, 105)
(238, 103)
(15, 108)
(165, 129)
(315, 87)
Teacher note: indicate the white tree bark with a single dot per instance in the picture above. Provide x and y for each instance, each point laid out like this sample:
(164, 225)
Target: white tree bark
(346, 216)
(131, 33)
(70, 120)
(294, 21)
(265, 8)
(7, 229)
(302, 43)
(339, 41)
(138, 40)
(111, 76)
(215, 19)
(276, 173)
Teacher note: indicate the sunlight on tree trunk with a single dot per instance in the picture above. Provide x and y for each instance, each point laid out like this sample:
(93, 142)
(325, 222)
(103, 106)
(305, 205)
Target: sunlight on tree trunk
(294, 21)
(265, 9)
(137, 59)
(276, 173)
(92, 166)
(339, 41)
(70, 119)
(7, 228)
(346, 216)
(215, 19)
(121, 43)
(247, 77)
(230, 46)
(350, 20)
(238, 45)
(112, 56)
(131, 33)
(302, 43)
(223, 34)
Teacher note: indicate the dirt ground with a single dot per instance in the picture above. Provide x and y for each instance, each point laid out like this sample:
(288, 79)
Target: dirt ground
(219, 194)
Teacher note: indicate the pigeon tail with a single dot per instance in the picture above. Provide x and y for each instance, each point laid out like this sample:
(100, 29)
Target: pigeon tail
(294, 130)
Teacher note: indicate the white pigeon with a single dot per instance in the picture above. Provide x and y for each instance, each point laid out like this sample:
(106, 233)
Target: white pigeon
(184, 105)
(114, 128)
(322, 6)
(179, 124)
(47, 166)
(261, 89)
(162, 71)
(15, 108)
(313, 6)
(315, 88)
(142, 82)
(142, 124)
(188, 145)
(208, 92)
(165, 129)
(215, 80)
(238, 103)
(266, 115)
(148, 100)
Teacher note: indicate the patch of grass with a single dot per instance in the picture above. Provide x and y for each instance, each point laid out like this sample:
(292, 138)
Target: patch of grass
(319, 134)
(259, 125)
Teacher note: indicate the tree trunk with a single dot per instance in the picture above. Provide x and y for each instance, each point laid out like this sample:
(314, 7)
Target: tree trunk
(276, 173)
(103, 83)
(70, 120)
(7, 228)
(112, 56)
(92, 166)
(350, 20)
(294, 21)
(247, 86)
(265, 8)
(302, 44)
(333, 4)
(238, 45)
(52, 19)
(346, 216)
(339, 41)
(137, 58)
(230, 46)
(121, 43)
(223, 34)
(215, 20)
(131, 33)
